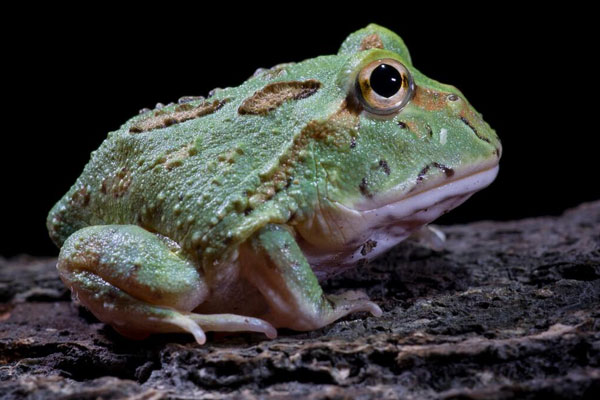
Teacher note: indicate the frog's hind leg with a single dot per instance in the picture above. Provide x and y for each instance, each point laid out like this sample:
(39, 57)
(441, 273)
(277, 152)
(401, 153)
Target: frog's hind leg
(275, 264)
(138, 283)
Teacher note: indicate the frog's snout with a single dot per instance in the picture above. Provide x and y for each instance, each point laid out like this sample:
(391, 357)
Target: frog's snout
(475, 123)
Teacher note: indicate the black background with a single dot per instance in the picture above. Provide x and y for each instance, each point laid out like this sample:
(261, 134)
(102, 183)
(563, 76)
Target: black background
(76, 74)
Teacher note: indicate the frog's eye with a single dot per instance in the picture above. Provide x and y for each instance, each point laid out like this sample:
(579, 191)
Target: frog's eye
(384, 86)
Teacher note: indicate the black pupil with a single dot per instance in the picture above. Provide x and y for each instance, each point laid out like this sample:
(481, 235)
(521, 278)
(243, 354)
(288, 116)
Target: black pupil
(386, 80)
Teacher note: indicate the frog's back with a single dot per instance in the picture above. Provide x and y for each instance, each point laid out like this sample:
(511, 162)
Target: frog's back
(195, 171)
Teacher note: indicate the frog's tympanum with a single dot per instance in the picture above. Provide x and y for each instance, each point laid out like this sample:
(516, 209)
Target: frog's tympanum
(224, 213)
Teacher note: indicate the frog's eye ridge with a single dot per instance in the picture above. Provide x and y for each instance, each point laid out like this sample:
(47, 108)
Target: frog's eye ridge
(384, 86)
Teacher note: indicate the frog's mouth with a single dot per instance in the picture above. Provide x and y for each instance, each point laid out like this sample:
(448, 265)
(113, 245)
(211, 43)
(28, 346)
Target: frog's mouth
(367, 229)
(431, 190)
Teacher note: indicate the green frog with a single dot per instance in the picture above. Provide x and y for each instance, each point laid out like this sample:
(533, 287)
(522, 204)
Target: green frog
(224, 213)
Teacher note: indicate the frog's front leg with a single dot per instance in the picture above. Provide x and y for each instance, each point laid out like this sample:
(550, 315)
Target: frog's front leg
(275, 264)
(139, 283)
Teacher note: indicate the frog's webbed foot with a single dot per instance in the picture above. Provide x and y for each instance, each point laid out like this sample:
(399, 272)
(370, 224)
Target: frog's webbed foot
(138, 283)
(430, 236)
(274, 263)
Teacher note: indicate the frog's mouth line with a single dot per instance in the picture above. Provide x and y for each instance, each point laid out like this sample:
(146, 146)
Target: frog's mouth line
(435, 189)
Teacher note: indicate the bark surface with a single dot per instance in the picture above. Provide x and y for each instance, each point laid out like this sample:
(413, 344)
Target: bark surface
(508, 309)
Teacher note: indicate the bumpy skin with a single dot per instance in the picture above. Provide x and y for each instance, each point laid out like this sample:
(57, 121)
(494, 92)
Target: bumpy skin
(223, 213)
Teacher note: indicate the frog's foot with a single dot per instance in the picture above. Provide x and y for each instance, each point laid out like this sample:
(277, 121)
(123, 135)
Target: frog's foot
(139, 284)
(136, 319)
(349, 302)
(430, 236)
(275, 264)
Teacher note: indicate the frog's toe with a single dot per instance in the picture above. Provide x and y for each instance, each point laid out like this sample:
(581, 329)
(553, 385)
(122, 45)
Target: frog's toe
(351, 302)
(430, 236)
(176, 322)
(233, 323)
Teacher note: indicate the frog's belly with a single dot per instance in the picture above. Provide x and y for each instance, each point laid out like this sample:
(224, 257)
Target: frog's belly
(371, 232)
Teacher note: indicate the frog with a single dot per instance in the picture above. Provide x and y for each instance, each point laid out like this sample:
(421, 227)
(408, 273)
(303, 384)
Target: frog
(227, 213)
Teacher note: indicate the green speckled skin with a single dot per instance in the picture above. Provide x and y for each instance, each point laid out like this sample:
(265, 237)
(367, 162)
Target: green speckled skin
(206, 186)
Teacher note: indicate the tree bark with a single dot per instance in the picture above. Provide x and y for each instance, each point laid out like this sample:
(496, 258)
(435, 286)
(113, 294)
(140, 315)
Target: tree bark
(508, 309)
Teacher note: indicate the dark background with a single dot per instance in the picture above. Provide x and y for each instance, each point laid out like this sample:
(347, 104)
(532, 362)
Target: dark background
(75, 75)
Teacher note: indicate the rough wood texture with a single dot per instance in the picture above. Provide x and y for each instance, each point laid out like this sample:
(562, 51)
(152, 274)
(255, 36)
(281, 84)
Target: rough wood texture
(510, 309)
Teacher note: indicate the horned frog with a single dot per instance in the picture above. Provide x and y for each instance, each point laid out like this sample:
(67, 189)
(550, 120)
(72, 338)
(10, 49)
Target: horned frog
(223, 214)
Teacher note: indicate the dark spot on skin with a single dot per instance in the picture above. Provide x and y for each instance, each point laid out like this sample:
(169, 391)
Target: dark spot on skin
(247, 211)
(497, 151)
(353, 105)
(429, 130)
(452, 97)
(422, 173)
(384, 165)
(449, 172)
(180, 197)
(466, 122)
(352, 142)
(402, 125)
(446, 170)
(364, 188)
(368, 247)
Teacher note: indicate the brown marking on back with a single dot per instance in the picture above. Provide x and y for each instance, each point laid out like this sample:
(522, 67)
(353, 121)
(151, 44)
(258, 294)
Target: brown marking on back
(341, 127)
(175, 158)
(339, 130)
(429, 100)
(183, 112)
(372, 41)
(275, 94)
(118, 184)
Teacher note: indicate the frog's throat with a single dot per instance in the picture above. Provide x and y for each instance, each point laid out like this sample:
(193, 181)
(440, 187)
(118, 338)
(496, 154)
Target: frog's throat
(387, 224)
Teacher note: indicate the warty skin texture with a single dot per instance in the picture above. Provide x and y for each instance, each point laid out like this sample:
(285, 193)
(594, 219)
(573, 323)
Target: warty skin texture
(209, 185)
